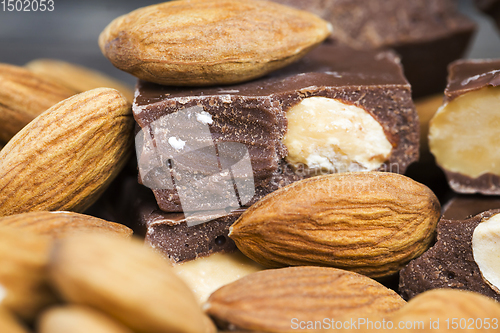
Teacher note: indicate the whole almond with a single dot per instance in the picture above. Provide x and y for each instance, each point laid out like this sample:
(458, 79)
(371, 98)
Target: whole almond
(372, 223)
(66, 157)
(78, 319)
(23, 262)
(444, 307)
(23, 96)
(269, 300)
(206, 42)
(127, 281)
(9, 324)
(63, 224)
(77, 78)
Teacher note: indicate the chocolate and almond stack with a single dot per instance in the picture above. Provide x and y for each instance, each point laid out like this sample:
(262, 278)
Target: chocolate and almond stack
(268, 184)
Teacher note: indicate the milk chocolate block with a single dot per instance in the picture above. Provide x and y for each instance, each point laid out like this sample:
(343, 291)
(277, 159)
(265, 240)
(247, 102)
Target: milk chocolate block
(427, 34)
(336, 110)
(465, 256)
(490, 7)
(462, 207)
(170, 235)
(464, 134)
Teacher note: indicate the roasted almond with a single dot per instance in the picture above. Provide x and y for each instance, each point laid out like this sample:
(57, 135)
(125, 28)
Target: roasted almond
(63, 224)
(372, 223)
(23, 261)
(23, 96)
(77, 78)
(127, 281)
(66, 157)
(269, 300)
(207, 42)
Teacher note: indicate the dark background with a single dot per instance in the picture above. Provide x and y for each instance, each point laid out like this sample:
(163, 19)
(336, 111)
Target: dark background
(70, 33)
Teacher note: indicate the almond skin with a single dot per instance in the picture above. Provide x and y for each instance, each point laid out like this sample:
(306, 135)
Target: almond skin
(268, 300)
(78, 319)
(372, 223)
(66, 157)
(207, 42)
(127, 281)
(75, 77)
(63, 224)
(24, 257)
(23, 96)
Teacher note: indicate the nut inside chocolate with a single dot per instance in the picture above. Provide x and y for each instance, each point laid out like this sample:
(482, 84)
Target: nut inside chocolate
(328, 134)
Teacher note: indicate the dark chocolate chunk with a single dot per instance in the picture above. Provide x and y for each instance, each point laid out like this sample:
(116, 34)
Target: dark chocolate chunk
(427, 34)
(449, 263)
(462, 207)
(254, 115)
(469, 160)
(170, 235)
(490, 7)
(469, 75)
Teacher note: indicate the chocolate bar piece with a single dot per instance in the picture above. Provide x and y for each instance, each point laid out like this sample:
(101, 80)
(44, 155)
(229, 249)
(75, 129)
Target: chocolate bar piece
(463, 135)
(490, 7)
(336, 110)
(451, 262)
(427, 34)
(462, 207)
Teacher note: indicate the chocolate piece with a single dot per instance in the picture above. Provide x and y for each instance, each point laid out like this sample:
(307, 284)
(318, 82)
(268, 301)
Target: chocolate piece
(170, 235)
(490, 7)
(427, 34)
(462, 207)
(470, 75)
(254, 115)
(449, 263)
(462, 135)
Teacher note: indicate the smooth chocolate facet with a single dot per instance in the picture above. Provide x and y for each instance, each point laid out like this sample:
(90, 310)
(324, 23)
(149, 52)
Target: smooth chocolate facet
(254, 113)
(469, 75)
(427, 34)
(449, 263)
(462, 207)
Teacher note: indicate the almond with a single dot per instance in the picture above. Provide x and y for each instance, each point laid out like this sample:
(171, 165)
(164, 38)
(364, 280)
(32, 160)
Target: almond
(77, 78)
(468, 310)
(127, 281)
(23, 96)
(63, 224)
(66, 157)
(372, 223)
(269, 300)
(24, 257)
(78, 319)
(207, 42)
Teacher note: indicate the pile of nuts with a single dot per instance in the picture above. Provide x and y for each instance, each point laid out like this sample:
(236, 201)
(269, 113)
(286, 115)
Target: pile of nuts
(69, 131)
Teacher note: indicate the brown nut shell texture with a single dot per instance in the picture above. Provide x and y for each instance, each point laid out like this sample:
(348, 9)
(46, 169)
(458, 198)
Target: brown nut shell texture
(63, 224)
(67, 156)
(23, 96)
(206, 42)
(268, 300)
(126, 281)
(372, 223)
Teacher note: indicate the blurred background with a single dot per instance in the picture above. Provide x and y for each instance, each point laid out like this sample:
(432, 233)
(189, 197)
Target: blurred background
(70, 33)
